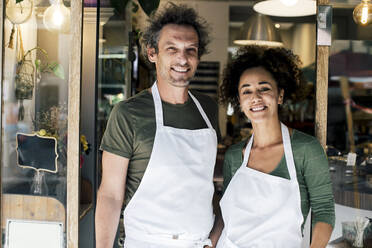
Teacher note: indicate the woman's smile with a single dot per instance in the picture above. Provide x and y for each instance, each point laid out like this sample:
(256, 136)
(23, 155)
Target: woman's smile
(258, 108)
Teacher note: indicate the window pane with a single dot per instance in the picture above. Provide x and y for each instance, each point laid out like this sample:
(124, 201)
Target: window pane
(34, 117)
(349, 130)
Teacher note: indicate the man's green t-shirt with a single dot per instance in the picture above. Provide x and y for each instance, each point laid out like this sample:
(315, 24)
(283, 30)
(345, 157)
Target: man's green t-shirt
(131, 129)
(312, 175)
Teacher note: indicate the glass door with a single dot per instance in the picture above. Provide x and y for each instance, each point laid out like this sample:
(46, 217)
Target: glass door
(106, 80)
(349, 127)
(114, 72)
(40, 106)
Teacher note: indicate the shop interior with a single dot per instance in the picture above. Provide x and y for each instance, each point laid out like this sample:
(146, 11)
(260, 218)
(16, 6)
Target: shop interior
(35, 103)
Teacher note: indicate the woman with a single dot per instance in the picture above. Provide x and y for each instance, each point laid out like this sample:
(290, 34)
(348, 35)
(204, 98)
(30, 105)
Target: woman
(272, 179)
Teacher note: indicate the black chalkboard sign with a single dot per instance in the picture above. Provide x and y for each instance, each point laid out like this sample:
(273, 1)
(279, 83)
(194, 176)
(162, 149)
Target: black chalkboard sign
(37, 152)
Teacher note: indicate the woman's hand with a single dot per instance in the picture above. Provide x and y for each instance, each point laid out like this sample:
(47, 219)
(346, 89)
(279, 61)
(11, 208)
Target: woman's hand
(321, 233)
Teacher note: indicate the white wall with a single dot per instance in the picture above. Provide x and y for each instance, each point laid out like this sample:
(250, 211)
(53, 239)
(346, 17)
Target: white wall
(303, 42)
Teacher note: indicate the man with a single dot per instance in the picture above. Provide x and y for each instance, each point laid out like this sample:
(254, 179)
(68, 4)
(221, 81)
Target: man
(160, 146)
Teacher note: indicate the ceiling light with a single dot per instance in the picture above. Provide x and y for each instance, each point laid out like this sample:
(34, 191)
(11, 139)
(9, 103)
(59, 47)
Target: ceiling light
(289, 2)
(277, 25)
(259, 30)
(362, 13)
(278, 8)
(57, 17)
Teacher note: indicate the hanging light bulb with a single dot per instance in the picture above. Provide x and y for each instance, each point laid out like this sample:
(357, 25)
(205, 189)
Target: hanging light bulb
(289, 2)
(57, 17)
(362, 13)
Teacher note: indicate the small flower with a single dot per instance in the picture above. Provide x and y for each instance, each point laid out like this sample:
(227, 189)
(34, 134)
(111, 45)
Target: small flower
(42, 132)
(84, 145)
(85, 149)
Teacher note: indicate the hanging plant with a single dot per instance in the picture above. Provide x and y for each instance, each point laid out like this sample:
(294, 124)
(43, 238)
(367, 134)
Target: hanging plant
(27, 71)
(148, 6)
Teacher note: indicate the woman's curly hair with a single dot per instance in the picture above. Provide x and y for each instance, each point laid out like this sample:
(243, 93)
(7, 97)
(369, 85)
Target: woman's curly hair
(180, 15)
(282, 64)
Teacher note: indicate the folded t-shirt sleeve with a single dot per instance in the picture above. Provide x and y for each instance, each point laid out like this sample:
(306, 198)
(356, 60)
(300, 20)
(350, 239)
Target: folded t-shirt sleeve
(119, 133)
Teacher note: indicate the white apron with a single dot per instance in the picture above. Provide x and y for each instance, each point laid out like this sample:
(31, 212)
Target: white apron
(260, 210)
(172, 206)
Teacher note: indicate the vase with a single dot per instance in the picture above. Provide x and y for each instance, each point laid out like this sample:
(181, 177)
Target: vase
(39, 186)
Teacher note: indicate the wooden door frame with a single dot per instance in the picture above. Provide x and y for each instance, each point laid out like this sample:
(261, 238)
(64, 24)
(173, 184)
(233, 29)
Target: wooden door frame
(2, 11)
(73, 126)
(321, 94)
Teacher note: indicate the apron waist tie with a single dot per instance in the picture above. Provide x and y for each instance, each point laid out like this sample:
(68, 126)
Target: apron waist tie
(168, 239)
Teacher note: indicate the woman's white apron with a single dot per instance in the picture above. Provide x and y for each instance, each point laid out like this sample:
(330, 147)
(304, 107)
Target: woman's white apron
(260, 210)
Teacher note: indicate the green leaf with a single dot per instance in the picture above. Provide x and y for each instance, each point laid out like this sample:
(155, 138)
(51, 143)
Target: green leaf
(138, 34)
(135, 7)
(149, 5)
(58, 71)
(52, 65)
(37, 64)
(119, 5)
(18, 1)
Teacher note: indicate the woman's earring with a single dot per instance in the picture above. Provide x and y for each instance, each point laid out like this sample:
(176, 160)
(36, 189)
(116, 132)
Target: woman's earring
(280, 99)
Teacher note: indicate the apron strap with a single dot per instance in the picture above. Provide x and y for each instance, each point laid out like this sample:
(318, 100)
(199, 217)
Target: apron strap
(247, 151)
(203, 114)
(159, 107)
(287, 151)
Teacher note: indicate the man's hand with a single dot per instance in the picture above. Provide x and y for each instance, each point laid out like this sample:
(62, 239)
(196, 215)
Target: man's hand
(218, 222)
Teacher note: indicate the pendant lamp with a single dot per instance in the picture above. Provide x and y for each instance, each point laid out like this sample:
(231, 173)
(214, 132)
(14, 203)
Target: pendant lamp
(362, 13)
(286, 8)
(259, 30)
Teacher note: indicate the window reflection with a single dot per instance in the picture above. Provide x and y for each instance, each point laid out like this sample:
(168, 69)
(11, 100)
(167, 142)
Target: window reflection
(349, 140)
(35, 94)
